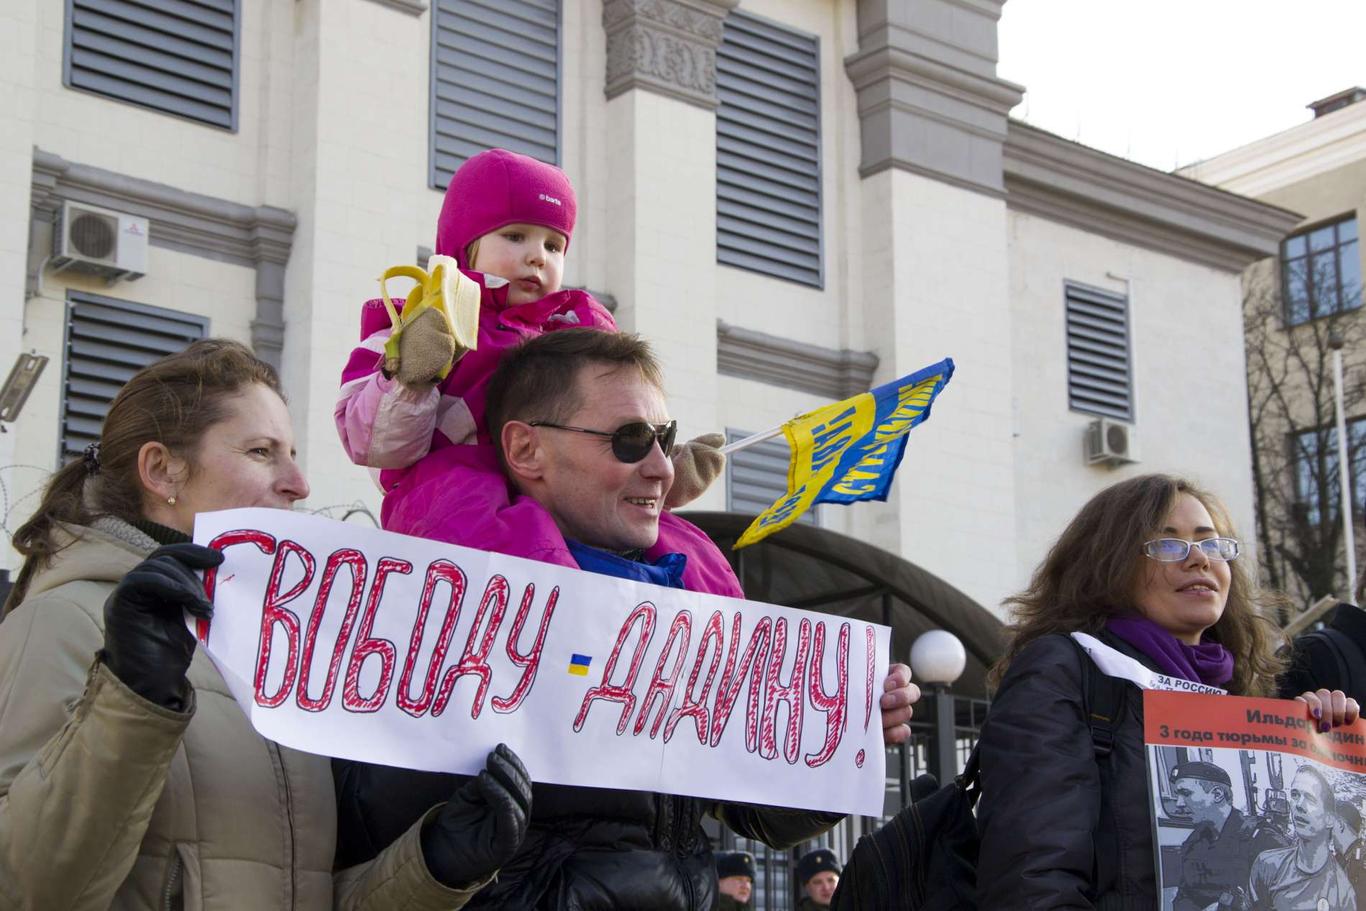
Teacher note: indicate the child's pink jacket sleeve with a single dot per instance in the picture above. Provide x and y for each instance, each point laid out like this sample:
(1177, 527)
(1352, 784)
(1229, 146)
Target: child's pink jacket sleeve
(382, 423)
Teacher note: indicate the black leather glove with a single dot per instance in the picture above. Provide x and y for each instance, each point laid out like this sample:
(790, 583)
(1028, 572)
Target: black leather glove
(482, 826)
(146, 643)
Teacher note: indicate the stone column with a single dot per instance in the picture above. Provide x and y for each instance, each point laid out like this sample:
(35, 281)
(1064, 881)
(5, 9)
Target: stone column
(933, 122)
(661, 206)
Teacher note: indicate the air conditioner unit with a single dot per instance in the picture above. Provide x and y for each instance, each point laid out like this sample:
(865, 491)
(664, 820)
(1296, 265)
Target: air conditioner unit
(91, 239)
(1110, 443)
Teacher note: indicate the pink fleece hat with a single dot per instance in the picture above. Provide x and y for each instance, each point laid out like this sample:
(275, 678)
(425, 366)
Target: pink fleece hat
(497, 188)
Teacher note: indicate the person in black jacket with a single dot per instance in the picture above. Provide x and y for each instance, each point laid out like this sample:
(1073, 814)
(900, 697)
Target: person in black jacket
(1349, 841)
(592, 848)
(1334, 656)
(1146, 567)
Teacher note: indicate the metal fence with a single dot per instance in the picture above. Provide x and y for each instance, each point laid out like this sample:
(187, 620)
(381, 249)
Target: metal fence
(775, 886)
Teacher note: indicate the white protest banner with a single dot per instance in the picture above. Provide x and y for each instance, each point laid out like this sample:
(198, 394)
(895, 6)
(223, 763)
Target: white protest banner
(358, 643)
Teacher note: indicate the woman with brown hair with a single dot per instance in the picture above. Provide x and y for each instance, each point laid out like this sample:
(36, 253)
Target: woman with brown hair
(129, 777)
(1148, 568)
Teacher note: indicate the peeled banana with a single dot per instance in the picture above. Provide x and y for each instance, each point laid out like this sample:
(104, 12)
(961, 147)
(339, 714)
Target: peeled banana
(441, 287)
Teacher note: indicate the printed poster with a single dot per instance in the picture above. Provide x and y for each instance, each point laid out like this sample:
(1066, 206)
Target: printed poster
(1252, 807)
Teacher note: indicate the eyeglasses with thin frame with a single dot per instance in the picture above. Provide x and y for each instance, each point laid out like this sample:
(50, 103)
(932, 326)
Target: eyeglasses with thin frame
(630, 442)
(1175, 550)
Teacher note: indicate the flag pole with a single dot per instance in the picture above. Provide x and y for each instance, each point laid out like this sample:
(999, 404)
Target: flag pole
(751, 440)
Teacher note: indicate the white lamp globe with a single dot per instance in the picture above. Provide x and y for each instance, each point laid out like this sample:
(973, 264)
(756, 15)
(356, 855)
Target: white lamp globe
(938, 657)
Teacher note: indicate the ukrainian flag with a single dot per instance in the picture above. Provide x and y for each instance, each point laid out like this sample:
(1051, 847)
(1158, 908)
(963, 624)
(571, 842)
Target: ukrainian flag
(849, 450)
(578, 664)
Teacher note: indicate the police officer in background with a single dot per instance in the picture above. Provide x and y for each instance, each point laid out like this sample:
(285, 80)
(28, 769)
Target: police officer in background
(1216, 858)
(818, 873)
(735, 872)
(1350, 846)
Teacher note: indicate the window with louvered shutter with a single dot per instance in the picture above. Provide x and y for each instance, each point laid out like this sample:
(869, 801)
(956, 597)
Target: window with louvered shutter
(768, 168)
(757, 476)
(1098, 371)
(177, 56)
(107, 341)
(495, 81)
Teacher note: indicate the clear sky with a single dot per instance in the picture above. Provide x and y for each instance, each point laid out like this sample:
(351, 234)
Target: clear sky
(1171, 82)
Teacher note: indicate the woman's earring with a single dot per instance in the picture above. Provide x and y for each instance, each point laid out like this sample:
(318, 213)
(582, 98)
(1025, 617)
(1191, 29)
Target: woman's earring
(170, 501)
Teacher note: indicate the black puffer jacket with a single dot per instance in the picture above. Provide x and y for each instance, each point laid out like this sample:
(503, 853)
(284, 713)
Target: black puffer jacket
(588, 849)
(1060, 828)
(1324, 659)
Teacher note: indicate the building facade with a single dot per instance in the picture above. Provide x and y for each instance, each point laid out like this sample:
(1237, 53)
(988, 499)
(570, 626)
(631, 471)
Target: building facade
(792, 199)
(1295, 304)
(900, 217)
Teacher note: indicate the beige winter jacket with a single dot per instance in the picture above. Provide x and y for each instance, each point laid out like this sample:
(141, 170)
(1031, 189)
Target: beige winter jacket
(109, 801)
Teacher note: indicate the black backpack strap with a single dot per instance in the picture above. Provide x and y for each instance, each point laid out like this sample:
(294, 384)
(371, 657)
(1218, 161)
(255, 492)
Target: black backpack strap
(1103, 699)
(969, 780)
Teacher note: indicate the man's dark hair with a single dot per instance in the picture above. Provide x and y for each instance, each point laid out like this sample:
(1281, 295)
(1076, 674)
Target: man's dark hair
(1349, 814)
(537, 380)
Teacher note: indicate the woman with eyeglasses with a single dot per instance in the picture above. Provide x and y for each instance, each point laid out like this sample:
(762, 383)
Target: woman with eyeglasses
(1149, 569)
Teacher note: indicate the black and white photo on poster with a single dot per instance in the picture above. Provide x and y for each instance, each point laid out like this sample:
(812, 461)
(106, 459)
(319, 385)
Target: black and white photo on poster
(1273, 828)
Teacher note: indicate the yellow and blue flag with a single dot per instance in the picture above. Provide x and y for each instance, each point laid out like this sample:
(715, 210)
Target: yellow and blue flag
(849, 450)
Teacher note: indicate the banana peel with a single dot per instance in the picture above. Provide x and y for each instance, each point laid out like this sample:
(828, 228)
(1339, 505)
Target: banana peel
(441, 287)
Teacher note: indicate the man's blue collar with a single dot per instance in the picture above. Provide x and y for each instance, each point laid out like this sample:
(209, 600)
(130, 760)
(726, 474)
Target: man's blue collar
(666, 571)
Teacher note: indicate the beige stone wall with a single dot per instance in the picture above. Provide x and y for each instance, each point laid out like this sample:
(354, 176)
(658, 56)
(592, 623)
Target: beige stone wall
(940, 257)
(1190, 404)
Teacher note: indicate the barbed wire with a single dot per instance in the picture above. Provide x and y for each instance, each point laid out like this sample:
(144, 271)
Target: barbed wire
(8, 508)
(347, 510)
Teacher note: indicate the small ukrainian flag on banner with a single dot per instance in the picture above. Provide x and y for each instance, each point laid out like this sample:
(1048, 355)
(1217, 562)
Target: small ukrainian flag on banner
(849, 450)
(578, 664)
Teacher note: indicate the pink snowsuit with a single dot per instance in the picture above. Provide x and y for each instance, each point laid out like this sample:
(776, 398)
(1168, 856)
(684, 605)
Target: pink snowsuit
(440, 471)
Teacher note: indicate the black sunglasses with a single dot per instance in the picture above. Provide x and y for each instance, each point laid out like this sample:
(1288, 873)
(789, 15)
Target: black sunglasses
(630, 442)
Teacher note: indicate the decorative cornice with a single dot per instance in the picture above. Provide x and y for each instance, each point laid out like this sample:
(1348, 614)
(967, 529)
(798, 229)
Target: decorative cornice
(189, 222)
(929, 99)
(1067, 182)
(411, 7)
(256, 236)
(665, 46)
(830, 372)
(994, 96)
(1324, 144)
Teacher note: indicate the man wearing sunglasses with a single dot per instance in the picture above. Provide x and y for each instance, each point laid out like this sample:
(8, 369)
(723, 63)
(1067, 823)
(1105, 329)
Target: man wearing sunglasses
(583, 433)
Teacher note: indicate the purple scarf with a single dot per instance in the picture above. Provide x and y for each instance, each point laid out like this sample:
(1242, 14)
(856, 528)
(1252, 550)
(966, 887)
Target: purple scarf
(1208, 663)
